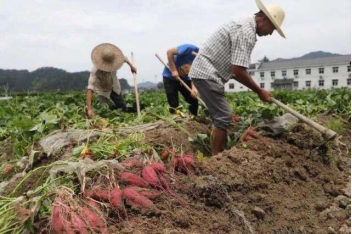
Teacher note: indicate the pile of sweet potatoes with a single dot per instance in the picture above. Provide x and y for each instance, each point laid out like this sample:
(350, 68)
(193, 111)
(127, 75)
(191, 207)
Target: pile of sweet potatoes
(137, 186)
(70, 216)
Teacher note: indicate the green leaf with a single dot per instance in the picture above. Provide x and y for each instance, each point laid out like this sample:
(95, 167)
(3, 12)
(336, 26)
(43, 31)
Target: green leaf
(202, 137)
(33, 157)
(191, 139)
(29, 225)
(49, 119)
(76, 152)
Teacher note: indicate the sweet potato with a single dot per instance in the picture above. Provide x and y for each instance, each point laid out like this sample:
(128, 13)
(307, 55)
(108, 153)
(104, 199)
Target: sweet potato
(149, 175)
(135, 199)
(132, 162)
(93, 204)
(164, 154)
(150, 194)
(164, 183)
(56, 218)
(236, 118)
(158, 167)
(174, 163)
(248, 138)
(252, 133)
(133, 179)
(116, 197)
(78, 224)
(186, 163)
(94, 221)
(102, 195)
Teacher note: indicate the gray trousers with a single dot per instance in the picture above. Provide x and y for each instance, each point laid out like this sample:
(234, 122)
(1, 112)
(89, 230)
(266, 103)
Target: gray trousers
(213, 94)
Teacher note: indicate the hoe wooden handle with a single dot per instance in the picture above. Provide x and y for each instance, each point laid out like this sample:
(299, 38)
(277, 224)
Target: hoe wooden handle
(136, 87)
(182, 82)
(328, 134)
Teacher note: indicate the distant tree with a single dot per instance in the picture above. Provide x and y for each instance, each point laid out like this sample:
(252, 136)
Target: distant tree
(160, 85)
(47, 79)
(124, 84)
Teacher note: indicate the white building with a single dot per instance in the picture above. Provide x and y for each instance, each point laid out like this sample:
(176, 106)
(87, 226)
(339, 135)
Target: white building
(298, 74)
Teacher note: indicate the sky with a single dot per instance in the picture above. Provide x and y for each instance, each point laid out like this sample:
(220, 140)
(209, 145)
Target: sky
(62, 33)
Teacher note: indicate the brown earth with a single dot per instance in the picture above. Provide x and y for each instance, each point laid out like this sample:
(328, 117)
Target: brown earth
(289, 184)
(176, 138)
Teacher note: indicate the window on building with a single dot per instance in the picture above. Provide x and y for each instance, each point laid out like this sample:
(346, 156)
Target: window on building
(231, 86)
(295, 84)
(349, 82)
(321, 70)
(272, 85)
(308, 71)
(284, 73)
(241, 87)
(262, 85)
(349, 69)
(295, 72)
(308, 83)
(321, 83)
(273, 74)
(335, 82)
(335, 69)
(252, 73)
(262, 74)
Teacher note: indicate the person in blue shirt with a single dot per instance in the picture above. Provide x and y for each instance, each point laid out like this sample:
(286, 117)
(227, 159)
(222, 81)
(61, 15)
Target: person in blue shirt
(180, 60)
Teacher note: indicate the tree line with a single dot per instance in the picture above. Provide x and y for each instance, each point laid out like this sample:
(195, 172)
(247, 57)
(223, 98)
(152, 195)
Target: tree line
(47, 79)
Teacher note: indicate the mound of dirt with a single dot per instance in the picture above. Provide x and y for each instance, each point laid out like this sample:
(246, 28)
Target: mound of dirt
(281, 185)
(170, 137)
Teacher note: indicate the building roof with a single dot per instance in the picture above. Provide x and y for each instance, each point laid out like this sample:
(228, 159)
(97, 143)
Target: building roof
(297, 63)
(283, 81)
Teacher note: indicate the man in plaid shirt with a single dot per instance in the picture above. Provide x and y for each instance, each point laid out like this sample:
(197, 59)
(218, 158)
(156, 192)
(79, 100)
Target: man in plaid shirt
(226, 54)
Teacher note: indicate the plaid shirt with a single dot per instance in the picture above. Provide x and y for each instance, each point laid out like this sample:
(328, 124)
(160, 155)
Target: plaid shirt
(231, 45)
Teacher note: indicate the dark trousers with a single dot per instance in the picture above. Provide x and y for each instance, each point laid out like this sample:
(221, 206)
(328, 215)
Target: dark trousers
(172, 87)
(118, 102)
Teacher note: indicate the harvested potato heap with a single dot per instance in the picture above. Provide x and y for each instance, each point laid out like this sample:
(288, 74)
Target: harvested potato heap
(108, 194)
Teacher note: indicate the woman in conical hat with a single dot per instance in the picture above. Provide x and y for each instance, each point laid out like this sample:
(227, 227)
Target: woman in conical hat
(107, 60)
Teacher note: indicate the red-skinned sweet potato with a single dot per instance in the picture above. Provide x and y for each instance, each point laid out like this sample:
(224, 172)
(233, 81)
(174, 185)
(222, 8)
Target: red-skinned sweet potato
(94, 221)
(102, 195)
(78, 224)
(132, 162)
(158, 167)
(116, 197)
(133, 179)
(252, 133)
(149, 175)
(56, 218)
(135, 199)
(148, 193)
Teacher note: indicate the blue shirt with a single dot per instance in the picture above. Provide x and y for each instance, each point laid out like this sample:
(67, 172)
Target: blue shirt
(184, 56)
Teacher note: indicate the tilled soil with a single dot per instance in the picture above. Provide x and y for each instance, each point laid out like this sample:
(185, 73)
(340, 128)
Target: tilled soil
(283, 185)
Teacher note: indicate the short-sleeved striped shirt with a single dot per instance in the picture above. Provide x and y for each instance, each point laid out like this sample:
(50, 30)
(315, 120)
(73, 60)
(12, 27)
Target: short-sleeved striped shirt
(231, 45)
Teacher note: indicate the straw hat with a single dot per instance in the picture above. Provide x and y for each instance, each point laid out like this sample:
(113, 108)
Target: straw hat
(107, 57)
(275, 13)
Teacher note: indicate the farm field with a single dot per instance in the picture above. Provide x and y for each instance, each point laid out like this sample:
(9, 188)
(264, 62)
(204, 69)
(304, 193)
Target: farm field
(64, 173)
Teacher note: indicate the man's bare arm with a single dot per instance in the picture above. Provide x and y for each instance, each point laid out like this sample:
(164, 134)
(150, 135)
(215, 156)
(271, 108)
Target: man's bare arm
(90, 111)
(133, 68)
(170, 56)
(242, 76)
